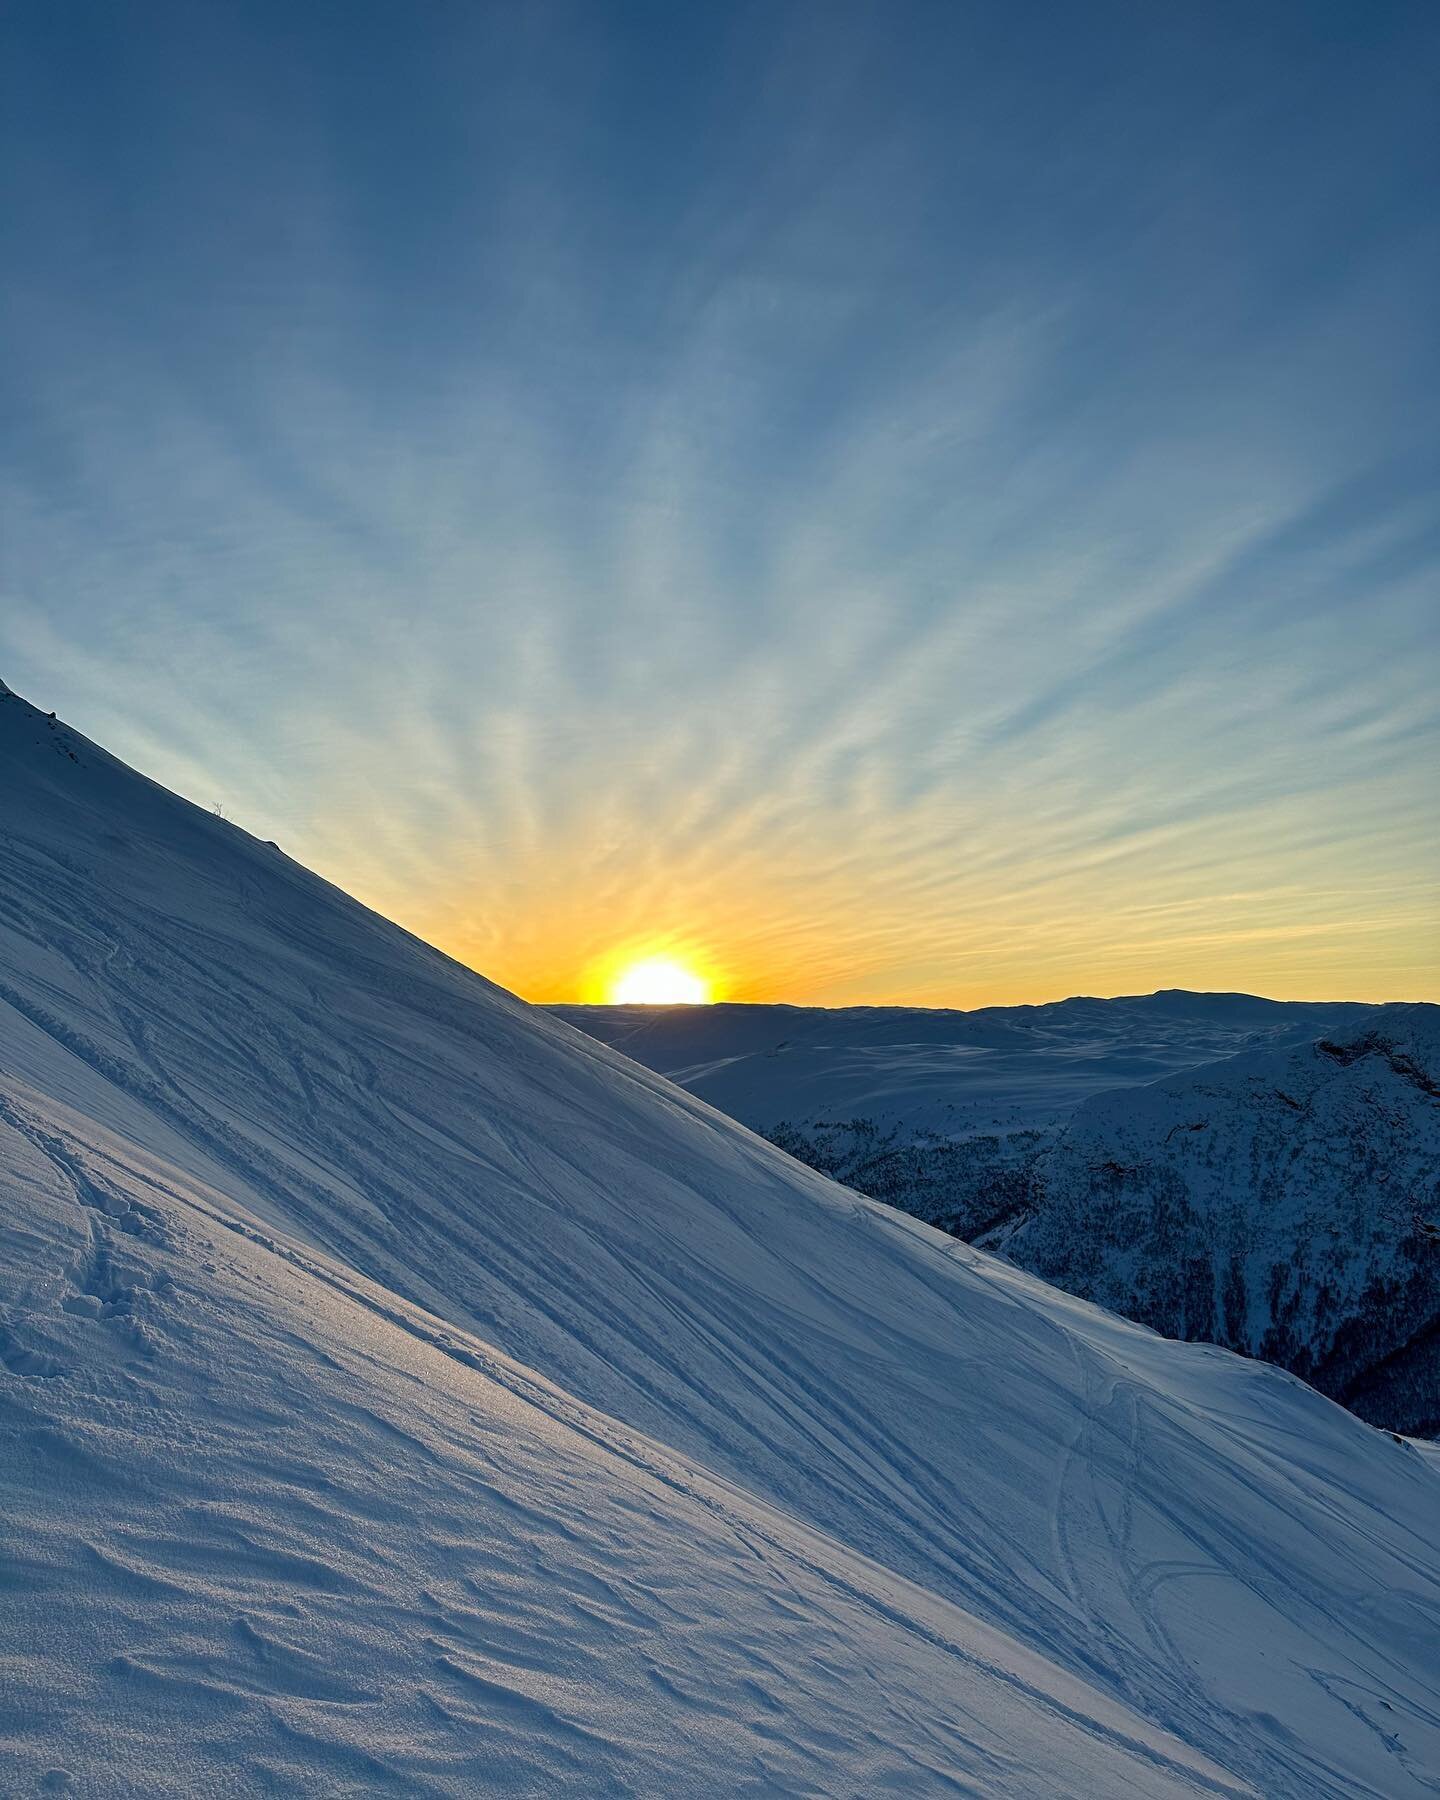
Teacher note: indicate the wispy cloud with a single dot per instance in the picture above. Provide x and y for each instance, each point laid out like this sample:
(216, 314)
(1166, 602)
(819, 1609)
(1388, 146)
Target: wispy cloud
(895, 511)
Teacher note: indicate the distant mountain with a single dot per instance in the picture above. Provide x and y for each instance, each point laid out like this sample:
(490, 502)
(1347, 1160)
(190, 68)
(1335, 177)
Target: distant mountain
(1297, 1221)
(920, 1070)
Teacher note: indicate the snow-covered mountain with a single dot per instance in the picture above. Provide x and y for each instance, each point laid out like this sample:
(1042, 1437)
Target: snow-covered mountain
(1285, 1203)
(1280, 1198)
(404, 1393)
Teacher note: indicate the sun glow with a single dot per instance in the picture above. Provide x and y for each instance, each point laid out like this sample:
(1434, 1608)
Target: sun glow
(659, 981)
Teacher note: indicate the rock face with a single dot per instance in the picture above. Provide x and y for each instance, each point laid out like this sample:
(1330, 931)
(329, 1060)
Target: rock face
(1285, 1204)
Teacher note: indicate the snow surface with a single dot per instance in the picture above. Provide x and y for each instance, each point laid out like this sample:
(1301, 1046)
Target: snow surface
(404, 1393)
(938, 1069)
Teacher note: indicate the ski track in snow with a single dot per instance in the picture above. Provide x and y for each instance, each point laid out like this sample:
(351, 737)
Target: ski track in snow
(410, 1395)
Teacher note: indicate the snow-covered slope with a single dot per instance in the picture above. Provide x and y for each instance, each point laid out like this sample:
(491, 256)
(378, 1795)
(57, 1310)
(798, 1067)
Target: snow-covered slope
(270, 1530)
(405, 1393)
(1285, 1203)
(1298, 1221)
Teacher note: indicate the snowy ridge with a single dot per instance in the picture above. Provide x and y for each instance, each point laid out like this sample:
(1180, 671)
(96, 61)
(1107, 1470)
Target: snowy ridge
(413, 1395)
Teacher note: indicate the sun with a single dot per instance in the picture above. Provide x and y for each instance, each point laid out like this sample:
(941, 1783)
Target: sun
(659, 981)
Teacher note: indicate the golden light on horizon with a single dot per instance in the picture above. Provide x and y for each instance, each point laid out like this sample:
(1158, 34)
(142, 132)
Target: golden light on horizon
(658, 981)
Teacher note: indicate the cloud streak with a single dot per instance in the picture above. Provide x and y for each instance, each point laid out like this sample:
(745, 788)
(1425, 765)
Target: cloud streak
(884, 511)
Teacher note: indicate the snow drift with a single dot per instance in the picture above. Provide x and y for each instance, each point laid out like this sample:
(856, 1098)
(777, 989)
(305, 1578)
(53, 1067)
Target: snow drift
(406, 1393)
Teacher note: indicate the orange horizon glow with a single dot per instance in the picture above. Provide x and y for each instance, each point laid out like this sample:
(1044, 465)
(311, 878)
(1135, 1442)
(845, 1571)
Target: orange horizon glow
(658, 981)
(777, 900)
(1019, 950)
(648, 972)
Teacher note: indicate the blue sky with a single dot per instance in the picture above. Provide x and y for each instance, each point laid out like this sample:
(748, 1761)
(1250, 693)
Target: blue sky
(923, 502)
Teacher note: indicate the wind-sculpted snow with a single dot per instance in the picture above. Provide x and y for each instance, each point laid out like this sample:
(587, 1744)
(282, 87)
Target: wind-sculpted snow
(409, 1394)
(271, 1530)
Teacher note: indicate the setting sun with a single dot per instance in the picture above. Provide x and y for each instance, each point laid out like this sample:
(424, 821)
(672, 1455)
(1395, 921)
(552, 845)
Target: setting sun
(658, 981)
